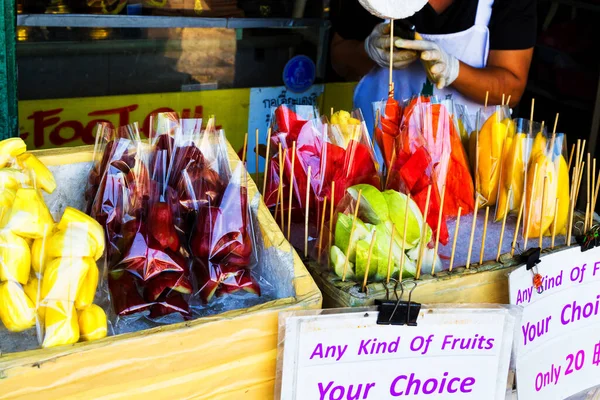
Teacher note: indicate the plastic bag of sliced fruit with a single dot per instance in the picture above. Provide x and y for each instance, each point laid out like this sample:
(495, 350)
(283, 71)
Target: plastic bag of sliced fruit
(181, 233)
(48, 271)
(338, 153)
(378, 236)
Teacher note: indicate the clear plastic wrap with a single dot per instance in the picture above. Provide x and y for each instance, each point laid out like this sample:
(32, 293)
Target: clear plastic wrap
(178, 223)
(515, 155)
(48, 271)
(541, 183)
(387, 127)
(486, 145)
(380, 215)
(338, 153)
(430, 153)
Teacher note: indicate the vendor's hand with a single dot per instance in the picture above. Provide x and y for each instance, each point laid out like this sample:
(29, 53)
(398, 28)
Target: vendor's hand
(378, 45)
(441, 67)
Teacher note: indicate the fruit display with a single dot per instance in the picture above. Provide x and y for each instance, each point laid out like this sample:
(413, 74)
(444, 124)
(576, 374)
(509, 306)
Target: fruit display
(48, 271)
(381, 214)
(427, 151)
(547, 179)
(337, 151)
(486, 145)
(177, 219)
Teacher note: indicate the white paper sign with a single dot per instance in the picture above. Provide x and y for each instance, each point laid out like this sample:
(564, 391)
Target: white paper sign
(558, 341)
(453, 353)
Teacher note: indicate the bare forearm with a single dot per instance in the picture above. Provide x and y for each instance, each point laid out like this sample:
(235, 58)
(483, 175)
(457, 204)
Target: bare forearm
(475, 82)
(349, 58)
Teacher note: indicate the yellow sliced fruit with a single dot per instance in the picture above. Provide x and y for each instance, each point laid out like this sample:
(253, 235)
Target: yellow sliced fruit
(536, 216)
(563, 197)
(73, 215)
(92, 323)
(64, 278)
(73, 242)
(61, 324)
(29, 216)
(10, 148)
(85, 296)
(11, 178)
(15, 258)
(43, 177)
(17, 311)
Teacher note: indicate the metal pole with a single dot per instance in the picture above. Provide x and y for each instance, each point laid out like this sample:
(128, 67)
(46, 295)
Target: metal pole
(8, 71)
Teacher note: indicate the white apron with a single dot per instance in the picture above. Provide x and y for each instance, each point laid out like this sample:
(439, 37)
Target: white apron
(470, 46)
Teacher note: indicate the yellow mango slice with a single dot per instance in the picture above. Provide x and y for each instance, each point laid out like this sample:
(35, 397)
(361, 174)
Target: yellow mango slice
(538, 217)
(563, 198)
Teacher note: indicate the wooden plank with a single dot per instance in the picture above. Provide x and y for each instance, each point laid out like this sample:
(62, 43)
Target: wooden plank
(8, 71)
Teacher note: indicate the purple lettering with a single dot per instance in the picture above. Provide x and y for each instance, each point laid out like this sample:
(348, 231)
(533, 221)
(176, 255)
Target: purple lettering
(466, 384)
(323, 391)
(393, 390)
(362, 349)
(453, 380)
(318, 351)
(431, 388)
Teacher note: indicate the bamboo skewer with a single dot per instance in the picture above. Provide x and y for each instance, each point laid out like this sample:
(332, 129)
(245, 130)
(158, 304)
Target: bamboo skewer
(390, 254)
(508, 100)
(554, 223)
(531, 115)
(470, 252)
(596, 196)
(391, 71)
(364, 285)
(571, 156)
(516, 234)
(483, 236)
(267, 162)
(256, 155)
(280, 184)
(487, 95)
(245, 148)
(593, 195)
(503, 98)
(530, 208)
(292, 175)
(351, 234)
(403, 248)
(454, 240)
(544, 194)
(307, 208)
(282, 171)
(439, 224)
(422, 245)
(321, 230)
(503, 225)
(588, 191)
(331, 209)
(574, 177)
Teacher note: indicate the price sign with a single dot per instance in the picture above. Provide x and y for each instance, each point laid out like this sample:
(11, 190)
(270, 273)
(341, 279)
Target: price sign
(453, 353)
(558, 341)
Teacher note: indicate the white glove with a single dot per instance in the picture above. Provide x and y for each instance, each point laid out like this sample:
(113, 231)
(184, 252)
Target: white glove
(441, 67)
(377, 46)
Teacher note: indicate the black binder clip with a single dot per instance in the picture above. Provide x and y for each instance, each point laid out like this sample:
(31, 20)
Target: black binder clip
(398, 312)
(590, 239)
(531, 258)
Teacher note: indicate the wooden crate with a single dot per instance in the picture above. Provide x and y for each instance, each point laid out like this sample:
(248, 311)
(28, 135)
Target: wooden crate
(226, 356)
(486, 283)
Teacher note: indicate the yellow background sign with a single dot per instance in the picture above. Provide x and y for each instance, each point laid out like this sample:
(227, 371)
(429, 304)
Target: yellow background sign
(71, 122)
